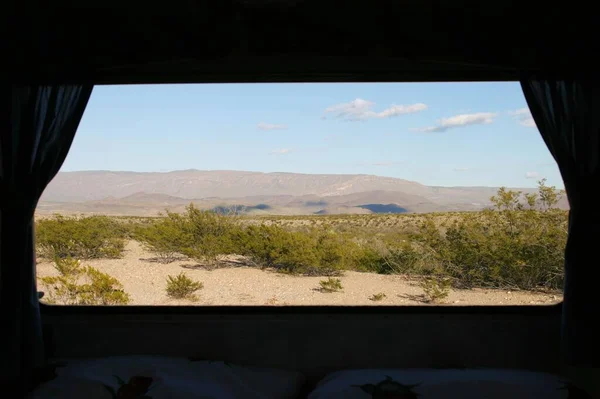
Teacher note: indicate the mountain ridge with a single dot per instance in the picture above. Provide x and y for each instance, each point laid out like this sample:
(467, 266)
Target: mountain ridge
(283, 192)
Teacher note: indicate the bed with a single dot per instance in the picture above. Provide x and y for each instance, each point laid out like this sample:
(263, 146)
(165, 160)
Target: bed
(158, 377)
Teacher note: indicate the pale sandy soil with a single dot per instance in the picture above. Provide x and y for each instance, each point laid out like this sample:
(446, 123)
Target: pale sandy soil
(145, 282)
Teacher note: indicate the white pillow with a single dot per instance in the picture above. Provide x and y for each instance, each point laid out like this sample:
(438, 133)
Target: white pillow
(158, 377)
(440, 384)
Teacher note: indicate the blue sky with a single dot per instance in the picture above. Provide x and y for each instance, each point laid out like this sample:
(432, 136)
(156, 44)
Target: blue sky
(447, 134)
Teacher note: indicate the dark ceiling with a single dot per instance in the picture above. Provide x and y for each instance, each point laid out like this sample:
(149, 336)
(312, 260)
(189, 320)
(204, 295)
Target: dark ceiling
(261, 40)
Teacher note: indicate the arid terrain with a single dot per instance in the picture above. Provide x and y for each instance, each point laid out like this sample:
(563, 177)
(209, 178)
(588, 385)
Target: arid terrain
(145, 281)
(291, 239)
(253, 193)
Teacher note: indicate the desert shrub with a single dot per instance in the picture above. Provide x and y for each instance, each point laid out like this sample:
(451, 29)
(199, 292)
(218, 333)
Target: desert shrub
(509, 247)
(331, 285)
(435, 289)
(396, 254)
(274, 246)
(519, 249)
(181, 286)
(334, 252)
(165, 237)
(210, 234)
(80, 237)
(369, 258)
(67, 266)
(311, 252)
(519, 244)
(77, 285)
(377, 297)
(198, 234)
(204, 235)
(400, 259)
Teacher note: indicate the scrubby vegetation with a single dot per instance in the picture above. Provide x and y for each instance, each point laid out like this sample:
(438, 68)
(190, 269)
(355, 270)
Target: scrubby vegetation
(78, 285)
(513, 246)
(200, 235)
(518, 244)
(377, 297)
(166, 237)
(80, 237)
(182, 287)
(435, 289)
(331, 285)
(310, 252)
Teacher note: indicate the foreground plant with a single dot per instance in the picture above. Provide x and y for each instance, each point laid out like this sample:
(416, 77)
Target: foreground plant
(435, 289)
(182, 287)
(377, 297)
(331, 285)
(78, 285)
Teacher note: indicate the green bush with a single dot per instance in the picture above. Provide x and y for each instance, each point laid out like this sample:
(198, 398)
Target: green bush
(80, 237)
(518, 245)
(77, 285)
(165, 237)
(276, 247)
(181, 286)
(208, 232)
(314, 252)
(321, 250)
(204, 235)
(200, 235)
(510, 247)
(435, 289)
(404, 257)
(331, 285)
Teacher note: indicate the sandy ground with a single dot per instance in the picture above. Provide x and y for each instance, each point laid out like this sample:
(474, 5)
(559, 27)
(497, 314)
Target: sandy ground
(145, 281)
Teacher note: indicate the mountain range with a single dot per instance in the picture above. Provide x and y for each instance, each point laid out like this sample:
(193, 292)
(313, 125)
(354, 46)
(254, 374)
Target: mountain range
(149, 193)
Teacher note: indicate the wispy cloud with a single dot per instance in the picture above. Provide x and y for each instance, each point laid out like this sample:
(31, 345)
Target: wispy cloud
(280, 151)
(532, 175)
(461, 169)
(270, 126)
(360, 109)
(523, 115)
(463, 120)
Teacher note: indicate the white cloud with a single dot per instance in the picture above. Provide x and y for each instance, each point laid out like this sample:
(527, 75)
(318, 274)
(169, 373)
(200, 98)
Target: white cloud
(532, 175)
(523, 115)
(360, 109)
(270, 126)
(479, 118)
(461, 169)
(280, 151)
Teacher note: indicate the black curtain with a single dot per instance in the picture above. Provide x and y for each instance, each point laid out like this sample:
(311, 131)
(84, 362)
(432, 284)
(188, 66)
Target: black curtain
(567, 114)
(33, 145)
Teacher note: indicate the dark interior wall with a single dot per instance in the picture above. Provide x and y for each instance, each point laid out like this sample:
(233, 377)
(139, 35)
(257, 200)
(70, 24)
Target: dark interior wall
(323, 40)
(316, 343)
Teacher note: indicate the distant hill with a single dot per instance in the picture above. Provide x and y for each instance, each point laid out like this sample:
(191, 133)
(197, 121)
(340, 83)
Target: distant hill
(96, 185)
(134, 193)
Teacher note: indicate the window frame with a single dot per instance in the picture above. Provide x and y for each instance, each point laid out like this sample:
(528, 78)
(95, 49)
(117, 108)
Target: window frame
(433, 73)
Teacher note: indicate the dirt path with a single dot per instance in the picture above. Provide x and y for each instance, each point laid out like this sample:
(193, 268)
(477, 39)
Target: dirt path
(145, 282)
